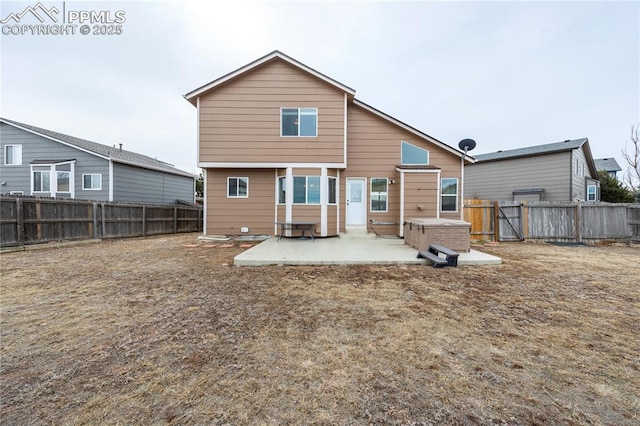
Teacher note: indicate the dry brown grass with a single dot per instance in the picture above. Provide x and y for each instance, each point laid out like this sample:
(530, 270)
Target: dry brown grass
(150, 331)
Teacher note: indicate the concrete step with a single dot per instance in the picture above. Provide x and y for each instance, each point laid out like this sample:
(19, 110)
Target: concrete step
(357, 234)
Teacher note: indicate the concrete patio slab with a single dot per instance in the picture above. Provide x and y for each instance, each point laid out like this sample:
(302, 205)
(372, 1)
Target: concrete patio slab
(341, 251)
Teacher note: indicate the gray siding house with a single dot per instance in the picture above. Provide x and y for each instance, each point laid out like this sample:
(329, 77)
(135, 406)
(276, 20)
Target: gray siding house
(40, 162)
(562, 171)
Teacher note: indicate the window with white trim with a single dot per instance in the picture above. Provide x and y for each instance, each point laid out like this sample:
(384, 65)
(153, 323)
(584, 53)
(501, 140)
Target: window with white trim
(42, 181)
(412, 155)
(299, 122)
(237, 187)
(592, 192)
(282, 190)
(13, 155)
(306, 189)
(92, 182)
(63, 179)
(449, 195)
(379, 193)
(333, 190)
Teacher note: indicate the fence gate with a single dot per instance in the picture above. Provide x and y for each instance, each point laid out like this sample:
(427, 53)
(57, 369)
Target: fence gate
(510, 220)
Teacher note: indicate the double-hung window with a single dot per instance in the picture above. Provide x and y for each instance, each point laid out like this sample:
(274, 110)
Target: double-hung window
(306, 189)
(12, 155)
(449, 195)
(237, 187)
(379, 193)
(591, 193)
(299, 122)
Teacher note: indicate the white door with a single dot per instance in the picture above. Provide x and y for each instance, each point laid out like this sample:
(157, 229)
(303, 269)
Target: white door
(356, 203)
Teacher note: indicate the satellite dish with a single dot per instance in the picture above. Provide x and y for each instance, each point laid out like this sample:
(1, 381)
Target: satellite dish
(467, 144)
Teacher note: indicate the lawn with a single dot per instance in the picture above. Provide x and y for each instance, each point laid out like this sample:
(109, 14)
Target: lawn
(164, 330)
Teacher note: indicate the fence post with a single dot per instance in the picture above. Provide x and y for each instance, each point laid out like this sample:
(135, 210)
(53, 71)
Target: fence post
(524, 228)
(39, 222)
(104, 225)
(578, 222)
(175, 220)
(496, 221)
(19, 222)
(95, 220)
(144, 221)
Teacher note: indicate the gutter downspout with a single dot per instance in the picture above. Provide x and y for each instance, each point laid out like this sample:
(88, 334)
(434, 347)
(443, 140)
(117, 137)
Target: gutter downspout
(110, 179)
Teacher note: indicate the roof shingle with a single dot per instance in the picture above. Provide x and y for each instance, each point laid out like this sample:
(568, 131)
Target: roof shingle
(115, 154)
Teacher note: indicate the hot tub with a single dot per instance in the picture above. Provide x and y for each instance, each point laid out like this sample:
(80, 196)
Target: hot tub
(451, 233)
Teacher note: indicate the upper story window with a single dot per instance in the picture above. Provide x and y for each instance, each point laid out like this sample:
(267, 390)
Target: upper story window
(13, 155)
(237, 187)
(299, 122)
(413, 155)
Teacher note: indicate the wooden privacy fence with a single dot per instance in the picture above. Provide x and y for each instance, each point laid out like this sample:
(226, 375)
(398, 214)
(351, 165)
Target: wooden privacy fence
(25, 220)
(552, 221)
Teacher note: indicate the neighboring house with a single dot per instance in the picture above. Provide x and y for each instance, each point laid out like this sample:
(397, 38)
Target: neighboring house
(39, 162)
(281, 142)
(562, 171)
(609, 165)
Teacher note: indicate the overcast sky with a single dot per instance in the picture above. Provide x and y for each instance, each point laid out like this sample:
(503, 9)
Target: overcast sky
(507, 74)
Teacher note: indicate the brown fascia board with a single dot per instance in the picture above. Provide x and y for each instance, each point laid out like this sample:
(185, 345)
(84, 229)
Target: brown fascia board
(194, 94)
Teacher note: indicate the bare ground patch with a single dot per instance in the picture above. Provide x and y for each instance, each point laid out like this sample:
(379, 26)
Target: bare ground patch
(154, 331)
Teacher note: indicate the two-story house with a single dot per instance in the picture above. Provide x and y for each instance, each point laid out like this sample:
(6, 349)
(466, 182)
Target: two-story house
(608, 165)
(41, 162)
(561, 171)
(281, 142)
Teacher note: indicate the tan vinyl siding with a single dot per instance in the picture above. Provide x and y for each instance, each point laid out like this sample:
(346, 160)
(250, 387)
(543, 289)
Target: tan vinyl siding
(307, 213)
(374, 151)
(240, 121)
(332, 220)
(496, 180)
(421, 189)
(225, 216)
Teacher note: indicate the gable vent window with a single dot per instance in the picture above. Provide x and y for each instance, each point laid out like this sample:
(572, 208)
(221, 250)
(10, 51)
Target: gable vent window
(299, 122)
